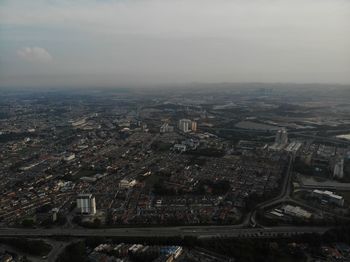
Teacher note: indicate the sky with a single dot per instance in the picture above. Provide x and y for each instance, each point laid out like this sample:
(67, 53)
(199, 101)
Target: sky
(147, 42)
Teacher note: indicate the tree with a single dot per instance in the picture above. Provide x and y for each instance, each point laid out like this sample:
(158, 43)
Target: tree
(28, 222)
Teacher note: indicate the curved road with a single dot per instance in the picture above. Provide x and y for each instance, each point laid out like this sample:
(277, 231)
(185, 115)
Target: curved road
(283, 196)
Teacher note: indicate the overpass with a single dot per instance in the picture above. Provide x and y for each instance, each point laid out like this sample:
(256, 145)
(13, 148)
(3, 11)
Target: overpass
(282, 197)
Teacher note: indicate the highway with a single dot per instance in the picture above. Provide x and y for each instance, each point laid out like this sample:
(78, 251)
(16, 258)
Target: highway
(282, 197)
(300, 133)
(195, 231)
(285, 196)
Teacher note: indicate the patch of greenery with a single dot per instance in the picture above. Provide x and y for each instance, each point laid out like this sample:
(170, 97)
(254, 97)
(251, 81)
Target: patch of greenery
(346, 178)
(213, 187)
(74, 252)
(28, 222)
(302, 168)
(210, 152)
(161, 146)
(29, 246)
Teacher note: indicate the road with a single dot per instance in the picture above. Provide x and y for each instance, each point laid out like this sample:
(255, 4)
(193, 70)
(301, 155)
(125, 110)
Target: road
(241, 230)
(300, 133)
(238, 231)
(282, 197)
(285, 196)
(57, 248)
(196, 231)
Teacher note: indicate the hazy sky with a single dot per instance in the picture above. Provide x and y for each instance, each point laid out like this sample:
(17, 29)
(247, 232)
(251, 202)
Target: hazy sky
(116, 42)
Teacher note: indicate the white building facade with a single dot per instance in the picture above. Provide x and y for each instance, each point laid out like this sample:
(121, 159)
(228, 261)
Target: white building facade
(86, 204)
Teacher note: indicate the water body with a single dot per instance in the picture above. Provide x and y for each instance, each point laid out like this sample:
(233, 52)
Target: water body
(256, 126)
(346, 136)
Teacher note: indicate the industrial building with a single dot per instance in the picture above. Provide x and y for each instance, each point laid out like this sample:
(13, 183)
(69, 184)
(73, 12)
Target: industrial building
(328, 196)
(293, 147)
(296, 211)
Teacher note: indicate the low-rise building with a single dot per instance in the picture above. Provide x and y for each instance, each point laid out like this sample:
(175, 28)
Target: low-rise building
(125, 183)
(296, 211)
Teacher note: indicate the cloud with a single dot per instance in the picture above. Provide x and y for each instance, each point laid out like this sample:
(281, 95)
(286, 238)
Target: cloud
(121, 41)
(34, 54)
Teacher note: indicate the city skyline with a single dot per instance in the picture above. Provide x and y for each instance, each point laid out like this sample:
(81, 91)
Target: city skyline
(174, 130)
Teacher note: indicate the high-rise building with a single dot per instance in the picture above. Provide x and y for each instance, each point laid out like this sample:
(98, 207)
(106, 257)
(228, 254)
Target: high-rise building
(281, 137)
(185, 125)
(86, 204)
(194, 126)
(338, 171)
(166, 128)
(54, 212)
